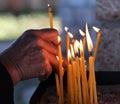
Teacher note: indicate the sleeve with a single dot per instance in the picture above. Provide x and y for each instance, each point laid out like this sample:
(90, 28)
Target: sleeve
(6, 86)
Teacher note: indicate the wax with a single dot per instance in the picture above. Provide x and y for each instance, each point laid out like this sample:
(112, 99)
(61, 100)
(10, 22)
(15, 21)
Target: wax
(84, 42)
(67, 46)
(84, 81)
(78, 81)
(61, 72)
(50, 15)
(92, 80)
(74, 81)
(97, 44)
(70, 85)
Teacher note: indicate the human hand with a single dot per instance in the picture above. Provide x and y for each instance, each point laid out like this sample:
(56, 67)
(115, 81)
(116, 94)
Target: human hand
(33, 54)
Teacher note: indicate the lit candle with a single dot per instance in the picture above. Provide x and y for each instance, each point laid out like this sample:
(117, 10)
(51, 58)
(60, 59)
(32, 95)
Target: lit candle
(84, 38)
(61, 70)
(50, 15)
(74, 76)
(68, 36)
(76, 46)
(70, 89)
(51, 25)
(97, 41)
(92, 81)
(73, 44)
(84, 76)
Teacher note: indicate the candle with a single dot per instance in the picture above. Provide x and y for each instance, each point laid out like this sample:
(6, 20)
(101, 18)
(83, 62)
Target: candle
(97, 41)
(51, 25)
(61, 70)
(50, 15)
(92, 82)
(74, 77)
(84, 38)
(84, 76)
(93, 90)
(70, 82)
(68, 36)
(79, 90)
(73, 44)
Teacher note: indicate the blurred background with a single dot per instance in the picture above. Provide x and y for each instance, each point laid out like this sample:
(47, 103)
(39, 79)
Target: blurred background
(16, 16)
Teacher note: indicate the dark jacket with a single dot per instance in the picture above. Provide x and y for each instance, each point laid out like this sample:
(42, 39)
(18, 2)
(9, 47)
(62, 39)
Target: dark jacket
(6, 86)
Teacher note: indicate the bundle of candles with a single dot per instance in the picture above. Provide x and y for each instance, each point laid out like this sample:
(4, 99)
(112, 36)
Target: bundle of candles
(80, 89)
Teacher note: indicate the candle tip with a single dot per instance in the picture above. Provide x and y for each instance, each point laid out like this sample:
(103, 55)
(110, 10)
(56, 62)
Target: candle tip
(59, 39)
(49, 5)
(96, 29)
(81, 32)
(66, 29)
(89, 40)
(68, 32)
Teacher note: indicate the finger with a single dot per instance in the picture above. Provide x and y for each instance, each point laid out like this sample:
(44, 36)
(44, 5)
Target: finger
(65, 63)
(52, 59)
(48, 46)
(47, 34)
(41, 64)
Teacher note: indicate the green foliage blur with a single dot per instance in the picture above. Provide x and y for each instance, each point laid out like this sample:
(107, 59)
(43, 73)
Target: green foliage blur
(12, 26)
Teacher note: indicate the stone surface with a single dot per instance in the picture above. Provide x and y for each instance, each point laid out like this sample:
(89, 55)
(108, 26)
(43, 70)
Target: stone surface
(108, 57)
(106, 95)
(108, 9)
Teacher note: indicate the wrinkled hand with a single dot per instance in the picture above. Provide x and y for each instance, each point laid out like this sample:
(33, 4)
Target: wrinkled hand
(32, 55)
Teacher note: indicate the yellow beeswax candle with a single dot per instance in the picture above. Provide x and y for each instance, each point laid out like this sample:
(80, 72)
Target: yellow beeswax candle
(84, 76)
(73, 44)
(74, 81)
(97, 41)
(68, 78)
(78, 81)
(84, 42)
(74, 76)
(79, 94)
(84, 81)
(50, 15)
(61, 71)
(70, 85)
(92, 82)
(57, 84)
(68, 36)
(67, 46)
(51, 25)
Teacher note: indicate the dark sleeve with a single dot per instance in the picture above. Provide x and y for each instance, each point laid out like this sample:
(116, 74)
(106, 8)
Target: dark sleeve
(6, 86)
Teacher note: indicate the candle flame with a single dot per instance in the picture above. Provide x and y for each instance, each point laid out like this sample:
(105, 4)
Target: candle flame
(72, 51)
(59, 39)
(57, 58)
(68, 32)
(81, 32)
(96, 29)
(66, 29)
(49, 5)
(81, 46)
(89, 41)
(76, 46)
(69, 55)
